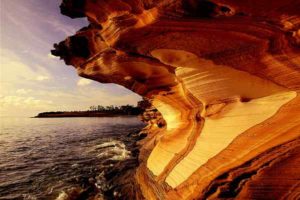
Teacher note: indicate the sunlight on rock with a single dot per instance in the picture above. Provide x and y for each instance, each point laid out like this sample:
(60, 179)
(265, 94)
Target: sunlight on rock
(223, 80)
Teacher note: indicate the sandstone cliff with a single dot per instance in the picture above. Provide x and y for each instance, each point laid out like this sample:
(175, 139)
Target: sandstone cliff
(225, 76)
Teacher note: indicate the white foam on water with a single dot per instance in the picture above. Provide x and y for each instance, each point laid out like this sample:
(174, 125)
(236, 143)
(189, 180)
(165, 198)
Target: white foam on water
(113, 150)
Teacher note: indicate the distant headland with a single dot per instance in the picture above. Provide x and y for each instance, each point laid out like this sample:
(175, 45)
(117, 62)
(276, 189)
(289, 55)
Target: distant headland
(95, 111)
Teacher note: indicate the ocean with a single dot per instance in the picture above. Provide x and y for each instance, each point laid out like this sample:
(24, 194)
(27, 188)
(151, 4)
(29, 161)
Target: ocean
(49, 158)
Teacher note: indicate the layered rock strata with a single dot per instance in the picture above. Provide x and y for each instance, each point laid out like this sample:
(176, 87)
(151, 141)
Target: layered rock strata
(225, 76)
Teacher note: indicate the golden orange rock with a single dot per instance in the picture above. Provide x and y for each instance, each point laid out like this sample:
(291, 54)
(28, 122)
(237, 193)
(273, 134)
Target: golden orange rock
(225, 76)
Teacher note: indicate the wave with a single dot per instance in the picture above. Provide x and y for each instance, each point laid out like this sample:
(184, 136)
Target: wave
(110, 153)
(113, 150)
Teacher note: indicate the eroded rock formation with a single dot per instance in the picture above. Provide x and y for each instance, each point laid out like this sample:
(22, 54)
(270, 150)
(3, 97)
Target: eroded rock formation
(225, 76)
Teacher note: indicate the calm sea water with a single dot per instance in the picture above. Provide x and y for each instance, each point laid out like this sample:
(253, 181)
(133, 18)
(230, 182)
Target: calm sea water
(40, 158)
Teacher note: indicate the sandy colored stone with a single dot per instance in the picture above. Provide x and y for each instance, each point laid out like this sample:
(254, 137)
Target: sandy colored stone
(224, 76)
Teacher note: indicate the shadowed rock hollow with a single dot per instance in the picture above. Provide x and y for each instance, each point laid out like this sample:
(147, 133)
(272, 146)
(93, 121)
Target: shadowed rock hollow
(225, 76)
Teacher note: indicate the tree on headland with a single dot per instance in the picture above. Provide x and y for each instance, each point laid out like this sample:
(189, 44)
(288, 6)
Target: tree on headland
(93, 108)
(100, 108)
(125, 109)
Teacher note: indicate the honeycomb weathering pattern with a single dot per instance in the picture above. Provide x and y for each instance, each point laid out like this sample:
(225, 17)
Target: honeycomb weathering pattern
(225, 76)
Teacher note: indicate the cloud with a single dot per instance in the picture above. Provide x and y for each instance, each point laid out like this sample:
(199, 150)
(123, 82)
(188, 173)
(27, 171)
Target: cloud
(30, 77)
(16, 71)
(23, 91)
(49, 55)
(59, 26)
(23, 106)
(84, 82)
(42, 78)
(17, 17)
(20, 101)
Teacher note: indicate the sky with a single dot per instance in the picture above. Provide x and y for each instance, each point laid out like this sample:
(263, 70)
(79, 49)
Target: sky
(31, 79)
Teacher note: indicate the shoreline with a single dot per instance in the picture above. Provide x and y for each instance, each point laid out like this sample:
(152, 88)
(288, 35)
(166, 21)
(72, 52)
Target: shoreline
(81, 114)
(117, 181)
(86, 116)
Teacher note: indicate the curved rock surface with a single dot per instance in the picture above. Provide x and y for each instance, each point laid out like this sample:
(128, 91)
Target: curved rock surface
(225, 76)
